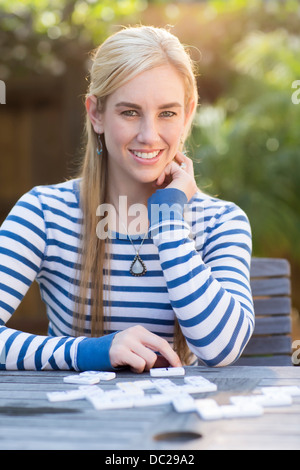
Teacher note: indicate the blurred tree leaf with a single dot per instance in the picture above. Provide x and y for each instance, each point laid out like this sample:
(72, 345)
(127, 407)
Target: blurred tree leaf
(249, 141)
(246, 139)
(38, 35)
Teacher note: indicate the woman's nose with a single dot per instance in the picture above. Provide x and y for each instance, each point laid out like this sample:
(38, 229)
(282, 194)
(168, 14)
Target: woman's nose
(148, 133)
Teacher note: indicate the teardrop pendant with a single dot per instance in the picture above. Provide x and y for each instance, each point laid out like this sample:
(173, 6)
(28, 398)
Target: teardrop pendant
(137, 267)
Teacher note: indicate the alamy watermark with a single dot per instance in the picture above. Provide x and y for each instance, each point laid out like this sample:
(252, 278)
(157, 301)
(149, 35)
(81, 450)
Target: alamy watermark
(166, 220)
(2, 92)
(296, 95)
(296, 353)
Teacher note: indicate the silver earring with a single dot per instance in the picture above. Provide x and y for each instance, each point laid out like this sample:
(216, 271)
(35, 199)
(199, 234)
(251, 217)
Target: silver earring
(99, 148)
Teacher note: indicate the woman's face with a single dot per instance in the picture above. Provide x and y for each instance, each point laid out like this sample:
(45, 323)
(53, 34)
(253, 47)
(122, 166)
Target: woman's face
(143, 123)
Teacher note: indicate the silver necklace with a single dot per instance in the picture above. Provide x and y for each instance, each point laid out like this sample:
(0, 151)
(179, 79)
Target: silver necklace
(138, 267)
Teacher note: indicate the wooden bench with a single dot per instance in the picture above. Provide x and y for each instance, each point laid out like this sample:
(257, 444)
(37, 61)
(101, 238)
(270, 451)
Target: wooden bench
(271, 343)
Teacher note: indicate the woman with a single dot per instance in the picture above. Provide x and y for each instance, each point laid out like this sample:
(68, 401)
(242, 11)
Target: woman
(125, 286)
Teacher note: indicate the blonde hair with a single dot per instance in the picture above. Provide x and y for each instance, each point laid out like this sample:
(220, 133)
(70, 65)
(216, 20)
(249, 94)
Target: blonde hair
(119, 59)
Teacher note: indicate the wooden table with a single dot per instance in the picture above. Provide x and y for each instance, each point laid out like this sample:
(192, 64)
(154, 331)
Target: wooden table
(28, 420)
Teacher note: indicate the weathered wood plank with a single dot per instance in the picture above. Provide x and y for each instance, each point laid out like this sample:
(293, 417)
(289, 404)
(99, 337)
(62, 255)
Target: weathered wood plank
(272, 433)
(274, 360)
(273, 306)
(27, 423)
(278, 344)
(270, 286)
(271, 289)
(273, 326)
(269, 267)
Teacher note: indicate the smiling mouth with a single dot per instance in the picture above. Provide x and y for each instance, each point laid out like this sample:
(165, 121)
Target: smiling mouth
(146, 155)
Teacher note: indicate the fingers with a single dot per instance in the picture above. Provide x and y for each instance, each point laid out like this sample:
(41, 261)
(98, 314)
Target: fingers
(184, 162)
(136, 361)
(142, 358)
(175, 176)
(175, 167)
(162, 346)
(161, 179)
(136, 347)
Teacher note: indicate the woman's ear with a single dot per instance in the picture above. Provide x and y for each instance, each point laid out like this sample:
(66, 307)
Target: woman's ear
(91, 105)
(190, 111)
(189, 115)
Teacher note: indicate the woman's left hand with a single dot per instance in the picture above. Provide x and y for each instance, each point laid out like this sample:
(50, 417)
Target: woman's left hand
(179, 174)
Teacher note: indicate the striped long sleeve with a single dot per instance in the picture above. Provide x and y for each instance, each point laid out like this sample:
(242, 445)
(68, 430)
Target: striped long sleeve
(23, 248)
(197, 271)
(207, 274)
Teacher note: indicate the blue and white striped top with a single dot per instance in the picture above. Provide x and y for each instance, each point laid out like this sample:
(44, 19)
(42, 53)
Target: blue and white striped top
(197, 270)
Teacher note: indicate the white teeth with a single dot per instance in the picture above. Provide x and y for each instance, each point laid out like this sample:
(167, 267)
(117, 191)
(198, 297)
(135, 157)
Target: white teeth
(147, 155)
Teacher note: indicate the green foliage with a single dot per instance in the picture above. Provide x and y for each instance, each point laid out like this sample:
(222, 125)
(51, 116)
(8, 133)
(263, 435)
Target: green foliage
(39, 35)
(246, 139)
(246, 144)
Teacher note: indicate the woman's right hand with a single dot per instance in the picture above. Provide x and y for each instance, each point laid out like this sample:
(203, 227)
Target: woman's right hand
(136, 347)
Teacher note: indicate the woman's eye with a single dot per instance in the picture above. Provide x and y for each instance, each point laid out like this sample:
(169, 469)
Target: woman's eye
(134, 113)
(168, 114)
(130, 113)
